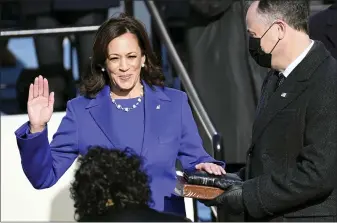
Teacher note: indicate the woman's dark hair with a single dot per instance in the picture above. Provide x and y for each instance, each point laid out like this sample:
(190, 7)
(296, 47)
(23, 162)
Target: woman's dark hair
(95, 80)
(108, 177)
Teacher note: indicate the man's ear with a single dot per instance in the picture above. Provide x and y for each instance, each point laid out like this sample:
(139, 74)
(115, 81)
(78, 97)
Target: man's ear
(281, 29)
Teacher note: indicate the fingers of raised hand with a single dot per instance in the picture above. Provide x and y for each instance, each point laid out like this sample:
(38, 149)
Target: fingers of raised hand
(45, 88)
(39, 88)
(36, 87)
(51, 100)
(31, 92)
(40, 81)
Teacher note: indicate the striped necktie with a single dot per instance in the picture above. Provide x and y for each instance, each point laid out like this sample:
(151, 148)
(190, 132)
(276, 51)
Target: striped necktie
(280, 80)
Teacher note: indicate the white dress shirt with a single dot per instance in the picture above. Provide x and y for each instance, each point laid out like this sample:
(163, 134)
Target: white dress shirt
(298, 60)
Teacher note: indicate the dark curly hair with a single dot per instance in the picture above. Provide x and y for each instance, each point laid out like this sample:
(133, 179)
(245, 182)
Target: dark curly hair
(94, 81)
(109, 177)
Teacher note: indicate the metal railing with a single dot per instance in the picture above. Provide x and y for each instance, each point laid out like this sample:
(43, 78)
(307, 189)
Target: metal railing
(50, 31)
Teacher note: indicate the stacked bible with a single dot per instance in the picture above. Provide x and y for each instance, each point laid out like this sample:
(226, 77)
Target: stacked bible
(201, 185)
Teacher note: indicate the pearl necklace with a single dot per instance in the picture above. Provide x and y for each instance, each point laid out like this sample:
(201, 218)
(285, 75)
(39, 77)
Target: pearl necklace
(120, 107)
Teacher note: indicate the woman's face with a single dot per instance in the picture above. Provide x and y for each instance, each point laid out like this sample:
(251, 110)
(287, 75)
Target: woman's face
(124, 61)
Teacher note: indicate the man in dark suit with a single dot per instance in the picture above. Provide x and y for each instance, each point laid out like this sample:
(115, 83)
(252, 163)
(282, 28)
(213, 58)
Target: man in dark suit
(290, 174)
(323, 27)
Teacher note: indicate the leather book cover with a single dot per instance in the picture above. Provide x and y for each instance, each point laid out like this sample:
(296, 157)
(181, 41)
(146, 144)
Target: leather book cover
(196, 191)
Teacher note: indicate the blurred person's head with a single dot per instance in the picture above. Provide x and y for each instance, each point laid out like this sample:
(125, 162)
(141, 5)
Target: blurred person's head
(109, 179)
(278, 31)
(122, 57)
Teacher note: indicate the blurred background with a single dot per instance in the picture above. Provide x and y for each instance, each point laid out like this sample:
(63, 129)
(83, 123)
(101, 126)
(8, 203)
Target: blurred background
(42, 37)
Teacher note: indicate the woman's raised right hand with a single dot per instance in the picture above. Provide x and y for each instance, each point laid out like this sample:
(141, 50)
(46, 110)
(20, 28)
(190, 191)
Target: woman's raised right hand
(40, 104)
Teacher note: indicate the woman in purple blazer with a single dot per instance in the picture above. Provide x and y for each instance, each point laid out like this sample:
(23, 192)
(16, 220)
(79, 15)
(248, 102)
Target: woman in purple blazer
(124, 105)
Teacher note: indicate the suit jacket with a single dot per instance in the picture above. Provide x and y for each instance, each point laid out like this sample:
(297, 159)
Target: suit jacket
(170, 133)
(323, 27)
(292, 162)
(134, 214)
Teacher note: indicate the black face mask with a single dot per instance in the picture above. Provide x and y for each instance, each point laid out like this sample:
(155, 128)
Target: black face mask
(262, 58)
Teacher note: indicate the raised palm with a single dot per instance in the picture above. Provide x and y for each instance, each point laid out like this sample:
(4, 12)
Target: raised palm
(40, 103)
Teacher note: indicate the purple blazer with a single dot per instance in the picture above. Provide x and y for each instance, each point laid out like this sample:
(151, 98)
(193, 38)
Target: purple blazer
(170, 133)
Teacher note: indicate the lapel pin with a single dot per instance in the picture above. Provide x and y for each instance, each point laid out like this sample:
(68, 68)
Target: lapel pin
(283, 95)
(158, 107)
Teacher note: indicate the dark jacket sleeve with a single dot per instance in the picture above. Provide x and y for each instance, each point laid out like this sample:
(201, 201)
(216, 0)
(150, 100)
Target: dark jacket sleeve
(241, 173)
(210, 8)
(314, 175)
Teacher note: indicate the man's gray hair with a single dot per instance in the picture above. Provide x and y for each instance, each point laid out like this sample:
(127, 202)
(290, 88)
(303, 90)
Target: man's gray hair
(294, 12)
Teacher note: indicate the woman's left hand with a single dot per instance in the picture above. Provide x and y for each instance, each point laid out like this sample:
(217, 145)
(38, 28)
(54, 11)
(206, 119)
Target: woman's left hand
(211, 168)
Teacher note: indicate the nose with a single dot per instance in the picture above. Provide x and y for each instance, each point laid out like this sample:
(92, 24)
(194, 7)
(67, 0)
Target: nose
(123, 65)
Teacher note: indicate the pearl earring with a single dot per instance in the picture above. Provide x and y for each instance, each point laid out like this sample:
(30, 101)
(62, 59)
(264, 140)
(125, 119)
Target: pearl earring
(143, 65)
(102, 69)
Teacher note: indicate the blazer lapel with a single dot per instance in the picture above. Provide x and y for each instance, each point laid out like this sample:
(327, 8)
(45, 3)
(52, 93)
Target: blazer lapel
(154, 115)
(292, 87)
(283, 96)
(100, 110)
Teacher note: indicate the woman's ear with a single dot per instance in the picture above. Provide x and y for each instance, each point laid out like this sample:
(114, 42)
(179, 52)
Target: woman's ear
(143, 60)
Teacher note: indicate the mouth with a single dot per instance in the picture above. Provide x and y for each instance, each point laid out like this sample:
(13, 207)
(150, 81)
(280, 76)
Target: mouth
(125, 77)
